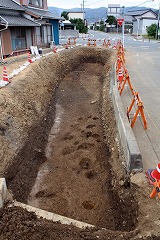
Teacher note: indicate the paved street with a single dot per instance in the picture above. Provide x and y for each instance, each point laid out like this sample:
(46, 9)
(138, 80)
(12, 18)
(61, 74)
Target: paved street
(143, 64)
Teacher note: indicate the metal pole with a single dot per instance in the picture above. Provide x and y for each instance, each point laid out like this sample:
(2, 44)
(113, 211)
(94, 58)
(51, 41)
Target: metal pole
(157, 36)
(1, 46)
(83, 10)
(137, 27)
(123, 29)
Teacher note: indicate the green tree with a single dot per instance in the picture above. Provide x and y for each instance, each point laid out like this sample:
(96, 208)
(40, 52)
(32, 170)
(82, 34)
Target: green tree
(102, 26)
(151, 30)
(65, 15)
(79, 25)
(111, 20)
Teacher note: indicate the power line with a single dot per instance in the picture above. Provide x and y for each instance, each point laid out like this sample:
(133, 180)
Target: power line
(140, 4)
(94, 3)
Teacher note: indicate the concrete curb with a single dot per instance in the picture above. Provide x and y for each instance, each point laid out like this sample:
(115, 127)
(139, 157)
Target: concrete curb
(131, 150)
(53, 217)
(3, 191)
(39, 212)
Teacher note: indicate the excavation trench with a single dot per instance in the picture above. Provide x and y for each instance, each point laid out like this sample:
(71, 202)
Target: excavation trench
(70, 162)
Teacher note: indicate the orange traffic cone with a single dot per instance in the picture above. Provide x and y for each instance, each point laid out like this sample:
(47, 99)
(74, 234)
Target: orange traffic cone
(66, 46)
(114, 47)
(29, 57)
(120, 75)
(5, 77)
(55, 49)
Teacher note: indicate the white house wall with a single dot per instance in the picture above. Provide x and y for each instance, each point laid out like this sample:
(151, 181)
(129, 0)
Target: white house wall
(75, 15)
(147, 23)
(149, 15)
(143, 24)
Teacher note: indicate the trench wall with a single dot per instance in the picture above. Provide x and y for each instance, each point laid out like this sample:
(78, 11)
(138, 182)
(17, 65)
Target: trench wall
(27, 113)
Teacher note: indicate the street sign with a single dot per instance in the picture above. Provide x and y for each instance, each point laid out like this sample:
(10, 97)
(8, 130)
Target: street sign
(120, 21)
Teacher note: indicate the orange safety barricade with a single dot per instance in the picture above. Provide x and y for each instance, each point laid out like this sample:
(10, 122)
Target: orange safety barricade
(126, 80)
(104, 43)
(92, 42)
(156, 189)
(140, 110)
(71, 41)
(108, 42)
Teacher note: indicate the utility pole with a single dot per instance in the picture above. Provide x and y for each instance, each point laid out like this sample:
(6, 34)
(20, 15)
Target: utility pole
(157, 30)
(83, 9)
(81, 6)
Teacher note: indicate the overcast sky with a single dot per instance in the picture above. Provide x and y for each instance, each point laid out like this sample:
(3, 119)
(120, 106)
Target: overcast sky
(66, 4)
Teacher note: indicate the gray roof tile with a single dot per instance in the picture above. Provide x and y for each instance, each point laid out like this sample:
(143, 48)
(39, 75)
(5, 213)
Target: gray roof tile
(19, 21)
(139, 12)
(9, 4)
(42, 13)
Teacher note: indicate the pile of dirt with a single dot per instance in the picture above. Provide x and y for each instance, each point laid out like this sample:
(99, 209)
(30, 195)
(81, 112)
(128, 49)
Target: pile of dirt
(17, 223)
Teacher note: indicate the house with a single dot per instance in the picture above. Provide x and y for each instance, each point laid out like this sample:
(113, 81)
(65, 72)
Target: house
(76, 15)
(38, 12)
(24, 23)
(141, 20)
(16, 29)
(66, 25)
(113, 10)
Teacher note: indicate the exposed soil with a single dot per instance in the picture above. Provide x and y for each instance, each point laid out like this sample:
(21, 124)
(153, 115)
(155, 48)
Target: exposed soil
(75, 181)
(66, 132)
(18, 224)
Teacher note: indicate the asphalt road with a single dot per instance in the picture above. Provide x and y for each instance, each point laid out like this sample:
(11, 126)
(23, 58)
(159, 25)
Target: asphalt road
(143, 64)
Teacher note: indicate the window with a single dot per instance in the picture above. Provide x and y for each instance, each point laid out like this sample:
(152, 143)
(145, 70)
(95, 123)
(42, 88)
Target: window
(18, 38)
(37, 3)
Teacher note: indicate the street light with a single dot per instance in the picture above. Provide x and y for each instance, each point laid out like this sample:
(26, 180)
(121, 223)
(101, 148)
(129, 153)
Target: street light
(157, 30)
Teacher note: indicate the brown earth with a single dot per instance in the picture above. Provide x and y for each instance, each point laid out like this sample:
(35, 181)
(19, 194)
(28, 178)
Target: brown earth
(57, 120)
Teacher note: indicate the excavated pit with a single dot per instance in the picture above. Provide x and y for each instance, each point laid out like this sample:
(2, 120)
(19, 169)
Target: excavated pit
(63, 153)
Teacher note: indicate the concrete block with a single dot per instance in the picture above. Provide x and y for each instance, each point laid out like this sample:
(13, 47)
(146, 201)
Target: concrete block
(3, 191)
(53, 216)
(131, 150)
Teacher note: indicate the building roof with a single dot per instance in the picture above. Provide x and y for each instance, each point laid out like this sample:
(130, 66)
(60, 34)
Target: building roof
(139, 12)
(9, 4)
(113, 5)
(75, 12)
(42, 13)
(128, 19)
(17, 21)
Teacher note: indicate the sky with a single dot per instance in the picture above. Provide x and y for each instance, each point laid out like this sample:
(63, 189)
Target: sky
(67, 4)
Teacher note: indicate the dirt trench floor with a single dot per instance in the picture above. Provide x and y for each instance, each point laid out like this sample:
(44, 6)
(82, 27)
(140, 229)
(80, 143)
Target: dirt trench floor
(75, 180)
